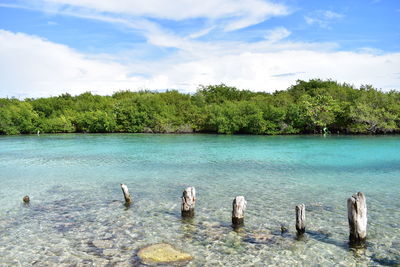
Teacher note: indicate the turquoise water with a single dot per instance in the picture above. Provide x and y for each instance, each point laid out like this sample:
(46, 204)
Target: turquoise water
(73, 182)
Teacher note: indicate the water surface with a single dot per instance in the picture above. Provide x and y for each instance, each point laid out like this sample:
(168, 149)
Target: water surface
(73, 181)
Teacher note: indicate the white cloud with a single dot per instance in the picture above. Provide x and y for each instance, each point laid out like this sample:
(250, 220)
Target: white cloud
(328, 14)
(277, 34)
(323, 18)
(263, 71)
(232, 14)
(201, 33)
(31, 66)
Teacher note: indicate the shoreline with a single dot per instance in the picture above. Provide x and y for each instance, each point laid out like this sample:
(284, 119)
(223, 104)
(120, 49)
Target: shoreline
(208, 133)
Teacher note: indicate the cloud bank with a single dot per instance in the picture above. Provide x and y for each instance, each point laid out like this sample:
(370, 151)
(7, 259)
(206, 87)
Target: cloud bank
(33, 67)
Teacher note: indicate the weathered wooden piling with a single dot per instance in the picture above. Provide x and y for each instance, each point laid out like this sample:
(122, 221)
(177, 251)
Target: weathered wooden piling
(301, 219)
(127, 196)
(26, 199)
(357, 216)
(188, 202)
(239, 206)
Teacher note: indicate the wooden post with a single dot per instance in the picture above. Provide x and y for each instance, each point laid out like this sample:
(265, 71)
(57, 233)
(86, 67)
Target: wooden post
(127, 196)
(26, 199)
(239, 206)
(357, 215)
(301, 219)
(188, 202)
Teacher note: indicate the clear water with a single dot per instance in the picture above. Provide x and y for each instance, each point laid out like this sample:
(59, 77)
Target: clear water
(73, 182)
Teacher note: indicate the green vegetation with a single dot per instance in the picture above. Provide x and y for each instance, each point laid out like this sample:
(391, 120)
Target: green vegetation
(307, 107)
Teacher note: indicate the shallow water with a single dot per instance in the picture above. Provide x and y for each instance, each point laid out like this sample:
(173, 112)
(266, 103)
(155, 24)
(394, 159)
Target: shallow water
(73, 181)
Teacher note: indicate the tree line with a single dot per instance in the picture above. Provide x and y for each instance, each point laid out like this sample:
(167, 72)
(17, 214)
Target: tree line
(313, 106)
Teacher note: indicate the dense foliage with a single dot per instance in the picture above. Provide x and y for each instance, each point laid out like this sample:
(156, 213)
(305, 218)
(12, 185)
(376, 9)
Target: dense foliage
(307, 107)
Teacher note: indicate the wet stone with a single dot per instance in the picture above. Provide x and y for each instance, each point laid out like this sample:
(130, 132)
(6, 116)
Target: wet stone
(211, 224)
(110, 252)
(102, 244)
(284, 228)
(70, 262)
(121, 263)
(318, 206)
(107, 236)
(89, 262)
(57, 251)
(261, 238)
(162, 253)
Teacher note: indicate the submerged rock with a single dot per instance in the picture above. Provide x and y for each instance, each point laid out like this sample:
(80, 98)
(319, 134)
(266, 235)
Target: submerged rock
(162, 253)
(210, 224)
(121, 263)
(110, 252)
(102, 244)
(284, 229)
(261, 237)
(318, 206)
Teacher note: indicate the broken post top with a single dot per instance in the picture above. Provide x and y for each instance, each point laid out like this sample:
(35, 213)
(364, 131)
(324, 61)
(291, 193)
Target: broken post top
(301, 219)
(127, 196)
(239, 206)
(188, 198)
(26, 199)
(188, 202)
(357, 216)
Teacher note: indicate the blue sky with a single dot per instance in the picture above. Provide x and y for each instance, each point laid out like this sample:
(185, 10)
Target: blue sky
(48, 47)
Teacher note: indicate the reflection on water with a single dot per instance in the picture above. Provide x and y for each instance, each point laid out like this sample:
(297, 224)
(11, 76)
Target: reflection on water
(77, 214)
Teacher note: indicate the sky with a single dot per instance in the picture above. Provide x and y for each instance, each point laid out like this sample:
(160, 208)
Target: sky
(50, 47)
